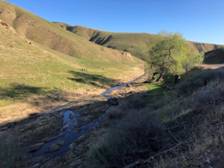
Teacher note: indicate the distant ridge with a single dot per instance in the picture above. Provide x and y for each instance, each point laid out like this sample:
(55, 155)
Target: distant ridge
(136, 43)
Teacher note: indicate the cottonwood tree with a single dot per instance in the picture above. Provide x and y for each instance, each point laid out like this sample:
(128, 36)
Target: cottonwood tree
(172, 56)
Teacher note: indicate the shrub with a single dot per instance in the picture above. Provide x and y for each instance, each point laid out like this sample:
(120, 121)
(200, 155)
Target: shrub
(137, 136)
(211, 95)
(197, 79)
(173, 56)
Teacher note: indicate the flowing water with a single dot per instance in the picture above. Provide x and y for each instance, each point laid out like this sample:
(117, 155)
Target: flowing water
(58, 146)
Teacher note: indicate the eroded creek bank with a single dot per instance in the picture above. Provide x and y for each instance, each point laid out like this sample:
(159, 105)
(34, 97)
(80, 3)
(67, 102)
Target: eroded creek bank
(73, 128)
(49, 137)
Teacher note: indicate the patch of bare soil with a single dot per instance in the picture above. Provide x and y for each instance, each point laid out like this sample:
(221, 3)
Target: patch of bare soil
(211, 66)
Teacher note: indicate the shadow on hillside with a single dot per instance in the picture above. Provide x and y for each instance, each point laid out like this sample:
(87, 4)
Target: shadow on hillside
(19, 91)
(92, 79)
(214, 57)
(36, 96)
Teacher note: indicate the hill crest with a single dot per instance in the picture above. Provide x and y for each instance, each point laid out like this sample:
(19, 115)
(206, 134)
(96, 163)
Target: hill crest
(138, 44)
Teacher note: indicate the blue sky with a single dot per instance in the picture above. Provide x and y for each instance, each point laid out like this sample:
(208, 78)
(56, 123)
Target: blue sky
(198, 20)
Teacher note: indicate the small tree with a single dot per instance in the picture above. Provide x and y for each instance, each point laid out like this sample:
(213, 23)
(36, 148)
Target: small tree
(172, 56)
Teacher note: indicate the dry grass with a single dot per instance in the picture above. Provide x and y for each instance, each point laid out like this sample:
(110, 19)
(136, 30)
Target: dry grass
(193, 125)
(124, 142)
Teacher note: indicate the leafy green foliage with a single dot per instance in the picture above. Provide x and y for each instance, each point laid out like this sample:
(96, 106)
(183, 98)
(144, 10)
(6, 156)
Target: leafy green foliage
(173, 56)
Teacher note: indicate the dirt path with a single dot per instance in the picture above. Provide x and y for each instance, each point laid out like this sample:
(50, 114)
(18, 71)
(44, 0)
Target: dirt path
(211, 66)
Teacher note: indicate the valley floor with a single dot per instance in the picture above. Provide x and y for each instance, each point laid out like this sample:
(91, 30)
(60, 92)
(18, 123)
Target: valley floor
(30, 133)
(144, 125)
(24, 100)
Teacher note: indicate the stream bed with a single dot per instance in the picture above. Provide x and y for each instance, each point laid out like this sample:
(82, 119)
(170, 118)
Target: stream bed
(59, 145)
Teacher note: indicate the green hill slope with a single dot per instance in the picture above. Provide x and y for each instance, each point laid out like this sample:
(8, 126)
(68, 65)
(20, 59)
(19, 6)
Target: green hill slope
(37, 58)
(138, 44)
(45, 33)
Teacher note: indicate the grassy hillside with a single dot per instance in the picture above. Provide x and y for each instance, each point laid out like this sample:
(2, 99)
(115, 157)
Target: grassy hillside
(38, 58)
(138, 44)
(45, 33)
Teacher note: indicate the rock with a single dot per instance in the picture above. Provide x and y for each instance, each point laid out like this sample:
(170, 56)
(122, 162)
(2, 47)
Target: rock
(128, 85)
(11, 125)
(65, 127)
(35, 147)
(3, 128)
(46, 140)
(4, 24)
(34, 115)
(57, 146)
(37, 165)
(113, 102)
(22, 130)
